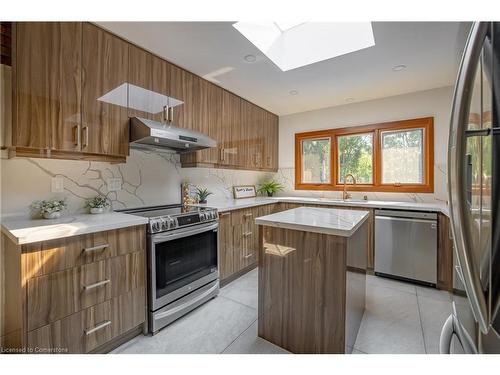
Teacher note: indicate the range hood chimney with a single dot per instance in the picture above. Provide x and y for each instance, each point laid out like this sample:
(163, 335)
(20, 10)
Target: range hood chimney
(149, 134)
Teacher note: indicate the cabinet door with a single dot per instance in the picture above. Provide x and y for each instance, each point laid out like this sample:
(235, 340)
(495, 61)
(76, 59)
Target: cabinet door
(210, 120)
(231, 137)
(270, 149)
(226, 258)
(140, 80)
(160, 86)
(183, 86)
(47, 69)
(105, 119)
(244, 238)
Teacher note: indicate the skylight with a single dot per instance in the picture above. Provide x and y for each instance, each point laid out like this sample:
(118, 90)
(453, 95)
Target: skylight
(291, 45)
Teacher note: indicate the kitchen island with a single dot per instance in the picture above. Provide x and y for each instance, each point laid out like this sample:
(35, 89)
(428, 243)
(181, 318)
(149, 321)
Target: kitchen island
(312, 276)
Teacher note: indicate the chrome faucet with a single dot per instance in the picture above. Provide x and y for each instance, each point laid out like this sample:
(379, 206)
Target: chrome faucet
(345, 194)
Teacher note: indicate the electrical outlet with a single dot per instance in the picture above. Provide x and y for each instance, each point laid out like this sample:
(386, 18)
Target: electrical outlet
(57, 184)
(114, 184)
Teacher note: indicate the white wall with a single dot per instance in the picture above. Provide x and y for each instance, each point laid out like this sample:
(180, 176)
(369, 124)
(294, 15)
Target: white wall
(436, 103)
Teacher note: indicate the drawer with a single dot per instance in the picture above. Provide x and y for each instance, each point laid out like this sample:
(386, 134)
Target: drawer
(88, 329)
(54, 296)
(244, 216)
(51, 256)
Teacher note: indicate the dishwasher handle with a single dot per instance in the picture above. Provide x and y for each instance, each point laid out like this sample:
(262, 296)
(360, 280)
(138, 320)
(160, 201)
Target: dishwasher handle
(392, 218)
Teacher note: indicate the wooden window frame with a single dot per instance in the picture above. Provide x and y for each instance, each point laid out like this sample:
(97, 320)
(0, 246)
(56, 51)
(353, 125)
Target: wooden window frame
(425, 123)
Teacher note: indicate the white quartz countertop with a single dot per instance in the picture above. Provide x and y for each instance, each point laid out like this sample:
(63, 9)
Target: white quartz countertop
(23, 230)
(333, 221)
(236, 204)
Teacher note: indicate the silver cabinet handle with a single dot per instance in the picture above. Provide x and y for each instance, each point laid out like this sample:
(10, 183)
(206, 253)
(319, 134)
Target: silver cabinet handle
(77, 135)
(247, 234)
(248, 215)
(222, 154)
(95, 248)
(170, 114)
(97, 327)
(225, 214)
(85, 136)
(96, 285)
(248, 256)
(457, 176)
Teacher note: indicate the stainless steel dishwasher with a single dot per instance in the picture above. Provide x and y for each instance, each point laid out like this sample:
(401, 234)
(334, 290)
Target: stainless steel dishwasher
(406, 245)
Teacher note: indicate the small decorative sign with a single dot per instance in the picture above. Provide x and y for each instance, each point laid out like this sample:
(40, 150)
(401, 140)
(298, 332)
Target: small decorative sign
(245, 191)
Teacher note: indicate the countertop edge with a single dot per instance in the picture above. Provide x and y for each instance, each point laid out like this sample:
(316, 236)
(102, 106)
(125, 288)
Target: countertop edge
(24, 240)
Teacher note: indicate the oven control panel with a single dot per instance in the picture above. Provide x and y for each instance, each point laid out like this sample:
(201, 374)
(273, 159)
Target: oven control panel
(171, 222)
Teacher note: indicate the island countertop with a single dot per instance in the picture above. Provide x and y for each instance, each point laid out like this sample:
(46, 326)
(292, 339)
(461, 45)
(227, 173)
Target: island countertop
(333, 221)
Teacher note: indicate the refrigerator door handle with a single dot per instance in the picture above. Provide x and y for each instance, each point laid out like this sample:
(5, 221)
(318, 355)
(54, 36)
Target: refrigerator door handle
(457, 173)
(452, 327)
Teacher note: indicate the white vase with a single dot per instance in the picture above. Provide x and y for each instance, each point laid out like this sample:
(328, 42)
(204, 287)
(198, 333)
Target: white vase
(97, 210)
(52, 215)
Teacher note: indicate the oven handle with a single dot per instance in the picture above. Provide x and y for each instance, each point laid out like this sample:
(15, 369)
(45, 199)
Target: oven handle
(163, 237)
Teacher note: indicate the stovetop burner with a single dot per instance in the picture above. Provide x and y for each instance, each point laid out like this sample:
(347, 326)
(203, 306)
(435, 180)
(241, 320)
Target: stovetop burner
(166, 218)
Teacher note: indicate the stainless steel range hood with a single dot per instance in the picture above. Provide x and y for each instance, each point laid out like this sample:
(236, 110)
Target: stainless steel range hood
(158, 136)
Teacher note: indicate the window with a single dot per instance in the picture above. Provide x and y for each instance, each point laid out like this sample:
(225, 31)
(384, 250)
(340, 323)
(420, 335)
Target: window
(402, 161)
(316, 161)
(395, 156)
(355, 156)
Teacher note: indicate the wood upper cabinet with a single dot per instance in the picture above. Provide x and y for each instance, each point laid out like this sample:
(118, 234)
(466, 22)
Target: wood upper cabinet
(183, 87)
(231, 136)
(270, 143)
(105, 122)
(47, 79)
(160, 84)
(140, 79)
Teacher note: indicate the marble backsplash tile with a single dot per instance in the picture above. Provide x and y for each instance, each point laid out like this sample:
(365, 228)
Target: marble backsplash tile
(147, 179)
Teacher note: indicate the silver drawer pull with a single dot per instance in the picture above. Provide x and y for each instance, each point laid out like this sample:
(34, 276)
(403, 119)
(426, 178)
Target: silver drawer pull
(95, 248)
(98, 284)
(248, 215)
(224, 213)
(248, 256)
(98, 327)
(247, 234)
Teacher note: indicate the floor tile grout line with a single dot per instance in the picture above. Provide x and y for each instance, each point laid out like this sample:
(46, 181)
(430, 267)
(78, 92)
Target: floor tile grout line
(237, 337)
(238, 302)
(421, 325)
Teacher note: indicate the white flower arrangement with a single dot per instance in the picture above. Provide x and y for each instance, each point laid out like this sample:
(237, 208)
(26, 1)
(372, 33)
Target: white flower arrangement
(49, 206)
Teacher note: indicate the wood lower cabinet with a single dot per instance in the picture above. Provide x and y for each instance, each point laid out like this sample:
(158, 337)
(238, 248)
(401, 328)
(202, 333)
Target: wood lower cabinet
(81, 292)
(226, 253)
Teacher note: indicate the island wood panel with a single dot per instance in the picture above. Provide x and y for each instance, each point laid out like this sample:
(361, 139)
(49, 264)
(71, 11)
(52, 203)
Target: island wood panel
(51, 256)
(123, 312)
(226, 252)
(47, 85)
(302, 283)
(445, 254)
(6, 43)
(54, 296)
(105, 121)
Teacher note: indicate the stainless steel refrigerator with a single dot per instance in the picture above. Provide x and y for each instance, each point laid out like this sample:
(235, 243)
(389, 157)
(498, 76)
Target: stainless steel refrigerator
(474, 196)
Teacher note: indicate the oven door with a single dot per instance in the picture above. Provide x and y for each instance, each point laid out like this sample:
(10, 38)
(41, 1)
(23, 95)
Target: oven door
(181, 262)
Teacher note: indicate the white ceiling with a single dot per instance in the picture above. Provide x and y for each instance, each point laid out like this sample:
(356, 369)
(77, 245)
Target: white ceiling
(216, 50)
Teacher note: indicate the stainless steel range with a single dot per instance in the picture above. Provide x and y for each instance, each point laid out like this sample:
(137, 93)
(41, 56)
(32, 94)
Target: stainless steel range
(182, 260)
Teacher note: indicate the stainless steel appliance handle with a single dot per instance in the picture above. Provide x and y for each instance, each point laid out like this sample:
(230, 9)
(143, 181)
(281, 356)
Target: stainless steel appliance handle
(452, 327)
(407, 219)
(168, 236)
(187, 303)
(457, 176)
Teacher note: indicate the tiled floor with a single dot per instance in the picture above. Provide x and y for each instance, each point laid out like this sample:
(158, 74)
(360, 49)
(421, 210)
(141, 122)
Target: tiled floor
(399, 318)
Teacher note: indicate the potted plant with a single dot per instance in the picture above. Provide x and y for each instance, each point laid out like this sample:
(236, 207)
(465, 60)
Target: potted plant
(49, 209)
(270, 187)
(202, 194)
(97, 204)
